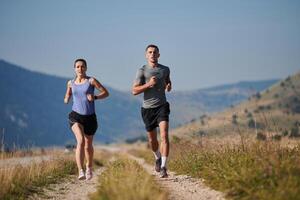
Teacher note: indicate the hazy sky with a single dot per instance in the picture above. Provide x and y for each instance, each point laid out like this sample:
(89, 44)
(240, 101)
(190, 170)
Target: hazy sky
(205, 43)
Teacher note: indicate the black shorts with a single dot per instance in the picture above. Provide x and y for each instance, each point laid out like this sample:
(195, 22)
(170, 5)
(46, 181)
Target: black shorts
(89, 122)
(153, 116)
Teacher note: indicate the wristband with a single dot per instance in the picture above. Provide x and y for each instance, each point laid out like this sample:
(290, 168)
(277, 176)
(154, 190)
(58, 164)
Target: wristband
(95, 97)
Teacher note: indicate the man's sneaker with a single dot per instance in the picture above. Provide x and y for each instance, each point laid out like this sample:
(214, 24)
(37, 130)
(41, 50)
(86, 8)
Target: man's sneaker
(81, 175)
(89, 173)
(157, 164)
(163, 172)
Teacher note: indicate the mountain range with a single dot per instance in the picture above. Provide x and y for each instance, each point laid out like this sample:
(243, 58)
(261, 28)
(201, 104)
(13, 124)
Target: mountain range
(33, 113)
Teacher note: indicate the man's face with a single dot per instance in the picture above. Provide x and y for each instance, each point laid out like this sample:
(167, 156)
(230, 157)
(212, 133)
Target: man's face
(152, 55)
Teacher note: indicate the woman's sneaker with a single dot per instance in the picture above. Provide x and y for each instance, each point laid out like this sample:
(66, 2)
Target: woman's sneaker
(163, 172)
(89, 173)
(157, 165)
(81, 175)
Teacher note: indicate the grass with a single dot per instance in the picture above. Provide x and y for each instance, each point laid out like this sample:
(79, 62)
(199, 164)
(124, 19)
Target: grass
(255, 170)
(125, 179)
(18, 182)
(17, 153)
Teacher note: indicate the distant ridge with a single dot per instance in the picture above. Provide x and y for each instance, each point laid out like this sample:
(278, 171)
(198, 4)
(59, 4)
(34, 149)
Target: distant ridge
(33, 113)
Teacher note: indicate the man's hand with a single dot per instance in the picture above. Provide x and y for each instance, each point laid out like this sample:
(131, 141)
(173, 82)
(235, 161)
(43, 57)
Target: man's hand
(152, 81)
(168, 87)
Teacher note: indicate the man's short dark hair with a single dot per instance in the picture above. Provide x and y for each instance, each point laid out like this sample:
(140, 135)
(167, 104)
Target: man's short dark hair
(153, 46)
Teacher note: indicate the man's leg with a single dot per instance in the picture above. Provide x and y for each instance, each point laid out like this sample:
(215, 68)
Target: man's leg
(152, 138)
(164, 136)
(164, 146)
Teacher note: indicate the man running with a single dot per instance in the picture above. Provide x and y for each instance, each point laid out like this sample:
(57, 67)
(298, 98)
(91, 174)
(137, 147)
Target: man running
(153, 79)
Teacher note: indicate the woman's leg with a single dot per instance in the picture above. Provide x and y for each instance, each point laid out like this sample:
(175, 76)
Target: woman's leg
(79, 155)
(89, 150)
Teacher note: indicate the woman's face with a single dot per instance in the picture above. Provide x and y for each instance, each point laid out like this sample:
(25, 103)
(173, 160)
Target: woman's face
(80, 68)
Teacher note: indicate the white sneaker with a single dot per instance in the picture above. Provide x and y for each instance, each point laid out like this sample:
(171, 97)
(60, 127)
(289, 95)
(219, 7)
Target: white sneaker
(89, 173)
(81, 175)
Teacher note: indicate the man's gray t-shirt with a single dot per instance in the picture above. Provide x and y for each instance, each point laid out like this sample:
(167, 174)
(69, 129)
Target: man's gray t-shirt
(155, 96)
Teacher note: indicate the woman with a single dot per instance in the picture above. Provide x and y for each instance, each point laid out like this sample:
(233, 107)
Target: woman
(82, 119)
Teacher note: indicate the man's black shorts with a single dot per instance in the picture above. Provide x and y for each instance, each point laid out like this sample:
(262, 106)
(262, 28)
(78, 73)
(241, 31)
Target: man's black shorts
(89, 122)
(152, 116)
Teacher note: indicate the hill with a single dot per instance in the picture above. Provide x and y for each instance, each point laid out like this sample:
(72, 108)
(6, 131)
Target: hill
(274, 112)
(190, 105)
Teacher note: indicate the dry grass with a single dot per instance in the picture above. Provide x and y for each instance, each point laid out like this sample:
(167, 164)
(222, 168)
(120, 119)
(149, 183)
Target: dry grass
(254, 170)
(30, 152)
(18, 182)
(125, 179)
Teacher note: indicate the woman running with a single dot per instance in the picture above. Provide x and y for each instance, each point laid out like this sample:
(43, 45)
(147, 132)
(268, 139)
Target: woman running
(82, 119)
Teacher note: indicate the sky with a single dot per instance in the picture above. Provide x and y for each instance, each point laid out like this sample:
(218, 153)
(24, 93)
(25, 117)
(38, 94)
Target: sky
(205, 43)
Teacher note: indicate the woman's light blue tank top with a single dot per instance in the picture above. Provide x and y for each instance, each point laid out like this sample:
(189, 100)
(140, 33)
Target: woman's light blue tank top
(81, 104)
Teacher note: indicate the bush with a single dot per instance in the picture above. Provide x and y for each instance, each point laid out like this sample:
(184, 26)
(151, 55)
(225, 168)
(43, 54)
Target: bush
(295, 132)
(276, 137)
(261, 136)
(251, 123)
(296, 109)
(234, 119)
(202, 122)
(285, 133)
(258, 95)
(249, 115)
(175, 139)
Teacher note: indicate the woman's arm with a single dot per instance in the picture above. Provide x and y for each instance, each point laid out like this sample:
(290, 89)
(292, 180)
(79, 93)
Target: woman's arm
(68, 92)
(103, 91)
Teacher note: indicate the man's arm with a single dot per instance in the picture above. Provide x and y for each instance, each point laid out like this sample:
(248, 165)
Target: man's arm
(168, 84)
(138, 88)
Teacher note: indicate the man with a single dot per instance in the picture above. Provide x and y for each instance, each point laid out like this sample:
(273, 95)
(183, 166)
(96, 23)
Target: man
(153, 79)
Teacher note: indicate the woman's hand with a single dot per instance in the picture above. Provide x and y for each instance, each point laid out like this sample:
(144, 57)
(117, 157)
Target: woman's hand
(68, 92)
(66, 100)
(90, 97)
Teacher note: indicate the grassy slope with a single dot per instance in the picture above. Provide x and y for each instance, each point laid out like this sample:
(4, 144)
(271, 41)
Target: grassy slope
(275, 110)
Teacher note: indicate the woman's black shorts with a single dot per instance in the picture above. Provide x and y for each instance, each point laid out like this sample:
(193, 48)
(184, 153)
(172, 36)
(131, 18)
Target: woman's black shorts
(89, 122)
(153, 116)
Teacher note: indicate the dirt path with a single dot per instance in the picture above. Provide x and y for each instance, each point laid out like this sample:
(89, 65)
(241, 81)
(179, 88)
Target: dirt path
(71, 189)
(182, 187)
